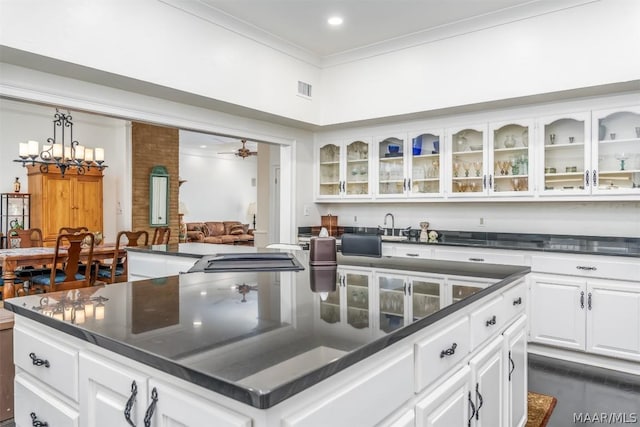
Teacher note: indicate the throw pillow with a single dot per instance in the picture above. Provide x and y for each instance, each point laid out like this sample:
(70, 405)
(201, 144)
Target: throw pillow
(236, 230)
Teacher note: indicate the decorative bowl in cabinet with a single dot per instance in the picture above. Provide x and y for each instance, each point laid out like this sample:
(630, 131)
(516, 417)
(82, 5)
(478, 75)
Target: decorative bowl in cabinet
(476, 147)
(393, 148)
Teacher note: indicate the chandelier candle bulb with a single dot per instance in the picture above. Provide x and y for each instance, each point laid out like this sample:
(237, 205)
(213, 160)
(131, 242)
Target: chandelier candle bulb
(67, 153)
(99, 152)
(57, 151)
(23, 150)
(33, 148)
(88, 155)
(79, 152)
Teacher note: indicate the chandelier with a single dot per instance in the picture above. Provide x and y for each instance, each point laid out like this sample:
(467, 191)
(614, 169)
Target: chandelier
(60, 151)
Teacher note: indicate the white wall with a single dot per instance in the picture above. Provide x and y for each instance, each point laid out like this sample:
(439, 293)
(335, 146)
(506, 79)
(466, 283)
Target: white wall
(20, 122)
(218, 187)
(153, 42)
(583, 46)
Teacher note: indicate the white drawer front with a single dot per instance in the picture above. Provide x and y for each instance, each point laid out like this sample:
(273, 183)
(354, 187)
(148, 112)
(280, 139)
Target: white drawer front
(487, 321)
(438, 353)
(480, 255)
(514, 301)
(587, 266)
(34, 351)
(31, 399)
(412, 251)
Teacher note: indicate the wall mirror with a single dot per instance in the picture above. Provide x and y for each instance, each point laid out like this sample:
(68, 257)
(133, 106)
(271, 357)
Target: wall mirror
(159, 196)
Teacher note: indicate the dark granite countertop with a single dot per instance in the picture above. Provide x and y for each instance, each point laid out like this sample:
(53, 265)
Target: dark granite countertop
(586, 245)
(241, 334)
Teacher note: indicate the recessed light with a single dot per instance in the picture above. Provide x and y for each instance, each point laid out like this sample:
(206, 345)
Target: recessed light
(203, 146)
(335, 21)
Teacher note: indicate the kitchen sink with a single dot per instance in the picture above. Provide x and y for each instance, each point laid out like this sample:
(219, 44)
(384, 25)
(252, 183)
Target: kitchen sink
(394, 238)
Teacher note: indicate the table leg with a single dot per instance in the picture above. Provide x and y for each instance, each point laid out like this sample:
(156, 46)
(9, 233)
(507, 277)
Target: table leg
(9, 275)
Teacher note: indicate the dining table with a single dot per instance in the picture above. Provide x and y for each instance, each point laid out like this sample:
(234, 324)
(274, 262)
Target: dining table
(12, 259)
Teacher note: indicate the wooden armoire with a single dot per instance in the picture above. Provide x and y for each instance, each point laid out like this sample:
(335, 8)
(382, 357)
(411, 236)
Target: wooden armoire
(74, 200)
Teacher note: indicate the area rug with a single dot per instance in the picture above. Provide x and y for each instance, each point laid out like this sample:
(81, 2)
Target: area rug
(540, 407)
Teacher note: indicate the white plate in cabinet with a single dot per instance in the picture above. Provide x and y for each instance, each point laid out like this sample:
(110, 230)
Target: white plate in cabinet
(490, 256)
(438, 353)
(514, 301)
(587, 266)
(391, 377)
(45, 359)
(33, 405)
(487, 321)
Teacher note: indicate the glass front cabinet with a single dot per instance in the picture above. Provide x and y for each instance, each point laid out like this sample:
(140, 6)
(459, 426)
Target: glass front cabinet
(14, 213)
(467, 161)
(344, 170)
(410, 166)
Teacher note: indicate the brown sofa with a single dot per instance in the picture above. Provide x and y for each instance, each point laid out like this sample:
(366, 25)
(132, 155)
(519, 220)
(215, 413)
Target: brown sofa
(220, 232)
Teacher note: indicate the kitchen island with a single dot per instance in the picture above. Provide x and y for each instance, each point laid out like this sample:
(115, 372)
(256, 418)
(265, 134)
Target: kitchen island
(386, 341)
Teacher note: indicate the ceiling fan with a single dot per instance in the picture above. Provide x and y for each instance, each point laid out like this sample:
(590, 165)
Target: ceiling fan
(241, 152)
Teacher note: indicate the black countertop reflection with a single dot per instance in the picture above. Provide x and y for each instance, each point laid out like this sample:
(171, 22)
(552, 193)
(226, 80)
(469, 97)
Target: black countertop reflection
(586, 245)
(256, 337)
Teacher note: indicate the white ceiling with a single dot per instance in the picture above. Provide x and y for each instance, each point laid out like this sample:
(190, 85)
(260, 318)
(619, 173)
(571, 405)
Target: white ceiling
(369, 25)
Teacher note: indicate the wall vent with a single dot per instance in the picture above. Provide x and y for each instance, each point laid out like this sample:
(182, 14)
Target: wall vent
(304, 89)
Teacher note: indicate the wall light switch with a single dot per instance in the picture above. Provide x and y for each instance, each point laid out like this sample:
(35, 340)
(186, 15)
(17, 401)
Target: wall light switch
(306, 210)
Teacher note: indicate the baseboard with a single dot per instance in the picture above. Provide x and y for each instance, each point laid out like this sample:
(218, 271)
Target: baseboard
(627, 366)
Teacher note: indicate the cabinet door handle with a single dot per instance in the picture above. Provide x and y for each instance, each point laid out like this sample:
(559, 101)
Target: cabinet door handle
(409, 184)
(513, 365)
(582, 299)
(484, 182)
(36, 423)
(586, 268)
(409, 289)
(473, 410)
(479, 396)
(404, 288)
(490, 181)
(589, 301)
(594, 181)
(476, 259)
(412, 254)
(449, 352)
(152, 407)
(517, 301)
(404, 184)
(491, 321)
(130, 402)
(39, 362)
(586, 178)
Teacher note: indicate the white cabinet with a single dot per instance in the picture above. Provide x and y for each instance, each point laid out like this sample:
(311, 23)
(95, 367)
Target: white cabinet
(488, 385)
(510, 158)
(481, 255)
(594, 315)
(450, 405)
(143, 266)
(410, 165)
(615, 158)
(407, 419)
(515, 357)
(34, 405)
(350, 303)
(343, 170)
(468, 161)
(404, 298)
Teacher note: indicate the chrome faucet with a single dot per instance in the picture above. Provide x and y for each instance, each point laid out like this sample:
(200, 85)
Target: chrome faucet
(393, 223)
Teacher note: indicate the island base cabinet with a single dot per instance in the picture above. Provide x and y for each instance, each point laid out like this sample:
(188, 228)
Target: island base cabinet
(34, 405)
(450, 405)
(487, 386)
(110, 394)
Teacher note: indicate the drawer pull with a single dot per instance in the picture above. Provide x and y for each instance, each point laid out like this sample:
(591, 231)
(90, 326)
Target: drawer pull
(36, 423)
(130, 402)
(517, 301)
(151, 409)
(477, 259)
(449, 351)
(410, 254)
(586, 268)
(38, 362)
(491, 321)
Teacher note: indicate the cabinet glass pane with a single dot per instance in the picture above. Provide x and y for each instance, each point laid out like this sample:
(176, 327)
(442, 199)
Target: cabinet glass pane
(619, 151)
(329, 170)
(511, 158)
(459, 292)
(564, 154)
(330, 308)
(467, 163)
(14, 213)
(357, 300)
(425, 164)
(391, 303)
(426, 298)
(358, 168)
(391, 166)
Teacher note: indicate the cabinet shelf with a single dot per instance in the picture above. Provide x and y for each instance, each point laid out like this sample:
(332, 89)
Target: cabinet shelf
(391, 181)
(391, 159)
(510, 176)
(330, 183)
(357, 161)
(332, 163)
(427, 156)
(626, 171)
(465, 153)
(366, 181)
(613, 141)
(511, 149)
(469, 178)
(561, 146)
(426, 180)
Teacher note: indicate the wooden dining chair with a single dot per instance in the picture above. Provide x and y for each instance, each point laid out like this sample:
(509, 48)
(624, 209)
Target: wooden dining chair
(29, 238)
(72, 230)
(161, 236)
(65, 274)
(116, 271)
